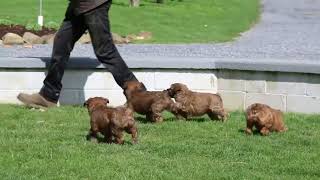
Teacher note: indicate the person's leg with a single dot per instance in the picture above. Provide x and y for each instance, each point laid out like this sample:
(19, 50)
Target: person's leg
(70, 31)
(97, 21)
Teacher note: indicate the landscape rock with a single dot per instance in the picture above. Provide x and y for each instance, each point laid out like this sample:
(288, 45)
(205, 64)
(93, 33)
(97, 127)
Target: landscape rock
(131, 37)
(7, 46)
(12, 39)
(48, 39)
(27, 45)
(144, 35)
(117, 39)
(31, 38)
(85, 39)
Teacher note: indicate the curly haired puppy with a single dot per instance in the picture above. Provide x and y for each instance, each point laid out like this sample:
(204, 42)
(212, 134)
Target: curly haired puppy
(111, 122)
(264, 118)
(149, 103)
(197, 104)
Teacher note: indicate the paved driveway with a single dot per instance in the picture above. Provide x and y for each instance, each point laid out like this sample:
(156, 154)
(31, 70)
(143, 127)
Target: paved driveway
(288, 30)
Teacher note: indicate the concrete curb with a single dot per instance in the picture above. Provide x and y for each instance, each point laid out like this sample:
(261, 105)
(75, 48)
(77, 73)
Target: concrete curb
(274, 65)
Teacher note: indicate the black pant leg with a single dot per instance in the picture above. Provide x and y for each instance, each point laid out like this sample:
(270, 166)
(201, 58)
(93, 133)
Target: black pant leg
(97, 21)
(70, 31)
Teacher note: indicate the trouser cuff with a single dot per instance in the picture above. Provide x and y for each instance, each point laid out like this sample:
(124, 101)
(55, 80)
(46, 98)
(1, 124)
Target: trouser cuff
(49, 94)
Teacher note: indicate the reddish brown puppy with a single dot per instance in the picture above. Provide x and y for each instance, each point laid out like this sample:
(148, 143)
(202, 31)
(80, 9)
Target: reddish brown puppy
(110, 122)
(197, 104)
(149, 103)
(264, 118)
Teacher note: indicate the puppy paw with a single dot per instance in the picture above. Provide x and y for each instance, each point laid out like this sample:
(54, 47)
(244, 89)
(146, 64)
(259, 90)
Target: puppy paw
(264, 132)
(223, 118)
(179, 117)
(134, 141)
(283, 130)
(248, 131)
(157, 119)
(92, 139)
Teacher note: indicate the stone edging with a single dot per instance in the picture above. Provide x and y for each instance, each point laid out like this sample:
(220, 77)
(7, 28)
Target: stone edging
(30, 39)
(276, 65)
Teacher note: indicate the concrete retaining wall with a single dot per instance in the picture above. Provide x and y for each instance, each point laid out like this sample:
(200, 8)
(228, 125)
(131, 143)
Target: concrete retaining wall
(292, 92)
(288, 91)
(79, 85)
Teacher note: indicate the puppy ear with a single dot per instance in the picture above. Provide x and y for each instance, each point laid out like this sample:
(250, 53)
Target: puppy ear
(125, 86)
(177, 88)
(85, 104)
(143, 87)
(183, 87)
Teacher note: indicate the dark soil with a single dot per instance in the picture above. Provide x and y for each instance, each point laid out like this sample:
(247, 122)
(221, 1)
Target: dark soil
(20, 30)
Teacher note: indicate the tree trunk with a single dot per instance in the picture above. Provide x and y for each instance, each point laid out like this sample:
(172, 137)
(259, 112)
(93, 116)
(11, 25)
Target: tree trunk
(134, 3)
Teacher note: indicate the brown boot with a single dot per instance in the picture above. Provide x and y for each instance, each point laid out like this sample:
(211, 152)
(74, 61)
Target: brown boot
(35, 100)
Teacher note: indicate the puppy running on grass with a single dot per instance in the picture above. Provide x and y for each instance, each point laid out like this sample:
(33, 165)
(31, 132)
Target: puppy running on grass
(110, 122)
(191, 103)
(149, 103)
(264, 118)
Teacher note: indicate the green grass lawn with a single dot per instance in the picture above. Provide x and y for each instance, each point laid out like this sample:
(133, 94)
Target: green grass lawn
(186, 21)
(52, 145)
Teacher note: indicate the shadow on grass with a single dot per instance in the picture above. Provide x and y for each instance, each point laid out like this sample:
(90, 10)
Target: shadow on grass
(142, 119)
(101, 140)
(201, 119)
(126, 4)
(254, 132)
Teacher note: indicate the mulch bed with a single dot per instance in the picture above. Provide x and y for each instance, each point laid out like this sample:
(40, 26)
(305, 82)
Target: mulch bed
(20, 30)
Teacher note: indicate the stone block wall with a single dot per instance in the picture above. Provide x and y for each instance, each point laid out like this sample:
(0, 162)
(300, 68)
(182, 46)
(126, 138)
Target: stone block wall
(291, 92)
(79, 85)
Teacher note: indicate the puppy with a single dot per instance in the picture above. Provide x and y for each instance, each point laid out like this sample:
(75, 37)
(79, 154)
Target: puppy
(111, 122)
(264, 118)
(197, 104)
(149, 103)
